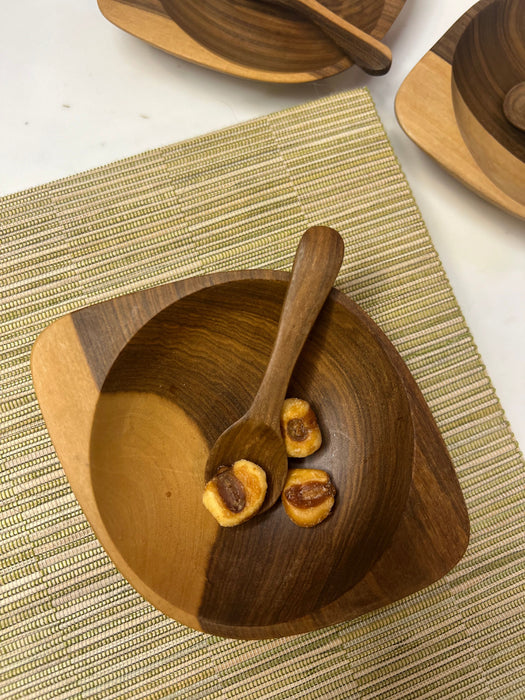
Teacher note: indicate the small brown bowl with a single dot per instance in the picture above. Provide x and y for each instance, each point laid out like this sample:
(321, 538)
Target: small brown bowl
(489, 61)
(136, 390)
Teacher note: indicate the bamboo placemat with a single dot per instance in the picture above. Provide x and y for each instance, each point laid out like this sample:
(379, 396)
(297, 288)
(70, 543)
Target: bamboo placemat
(70, 626)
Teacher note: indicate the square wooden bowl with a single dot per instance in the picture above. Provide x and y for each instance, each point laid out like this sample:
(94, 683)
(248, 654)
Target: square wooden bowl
(135, 390)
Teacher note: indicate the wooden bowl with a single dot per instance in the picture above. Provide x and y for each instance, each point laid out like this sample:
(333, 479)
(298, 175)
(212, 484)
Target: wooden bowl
(248, 38)
(452, 102)
(489, 61)
(136, 390)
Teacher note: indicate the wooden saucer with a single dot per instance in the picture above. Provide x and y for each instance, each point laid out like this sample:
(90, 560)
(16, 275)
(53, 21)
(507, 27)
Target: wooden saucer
(135, 390)
(451, 103)
(248, 38)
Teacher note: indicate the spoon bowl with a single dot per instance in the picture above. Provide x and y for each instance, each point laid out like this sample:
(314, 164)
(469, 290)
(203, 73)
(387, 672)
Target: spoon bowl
(256, 436)
(259, 443)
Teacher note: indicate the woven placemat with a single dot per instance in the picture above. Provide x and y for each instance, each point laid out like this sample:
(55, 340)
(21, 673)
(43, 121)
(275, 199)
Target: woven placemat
(70, 625)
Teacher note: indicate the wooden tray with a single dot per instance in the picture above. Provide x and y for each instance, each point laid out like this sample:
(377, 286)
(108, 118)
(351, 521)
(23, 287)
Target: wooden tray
(135, 390)
(433, 105)
(285, 48)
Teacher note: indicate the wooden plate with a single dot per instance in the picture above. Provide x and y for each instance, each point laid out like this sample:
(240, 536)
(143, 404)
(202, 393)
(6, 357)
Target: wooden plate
(451, 103)
(134, 392)
(248, 38)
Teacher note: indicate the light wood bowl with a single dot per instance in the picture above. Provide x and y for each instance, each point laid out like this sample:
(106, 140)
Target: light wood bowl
(488, 62)
(248, 38)
(452, 102)
(136, 390)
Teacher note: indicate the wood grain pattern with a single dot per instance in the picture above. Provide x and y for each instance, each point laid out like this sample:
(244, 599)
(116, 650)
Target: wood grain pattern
(168, 369)
(248, 38)
(451, 104)
(359, 46)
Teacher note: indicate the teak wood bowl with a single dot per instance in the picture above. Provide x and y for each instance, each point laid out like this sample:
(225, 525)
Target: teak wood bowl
(452, 102)
(489, 61)
(249, 38)
(134, 391)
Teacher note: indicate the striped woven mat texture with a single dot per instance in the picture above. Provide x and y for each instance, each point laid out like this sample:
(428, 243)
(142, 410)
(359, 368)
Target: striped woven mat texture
(70, 625)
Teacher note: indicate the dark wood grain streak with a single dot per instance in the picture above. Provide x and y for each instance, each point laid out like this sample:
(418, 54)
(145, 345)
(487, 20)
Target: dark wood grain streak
(151, 6)
(446, 46)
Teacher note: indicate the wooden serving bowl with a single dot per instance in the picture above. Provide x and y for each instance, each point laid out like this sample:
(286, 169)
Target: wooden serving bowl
(488, 62)
(136, 390)
(452, 102)
(249, 38)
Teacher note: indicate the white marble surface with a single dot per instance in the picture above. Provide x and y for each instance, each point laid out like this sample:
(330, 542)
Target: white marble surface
(78, 92)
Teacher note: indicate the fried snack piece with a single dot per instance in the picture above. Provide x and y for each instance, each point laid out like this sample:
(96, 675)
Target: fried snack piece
(235, 493)
(308, 496)
(299, 428)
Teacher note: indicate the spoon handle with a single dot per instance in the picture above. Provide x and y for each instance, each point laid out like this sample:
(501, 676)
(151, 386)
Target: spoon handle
(364, 50)
(317, 262)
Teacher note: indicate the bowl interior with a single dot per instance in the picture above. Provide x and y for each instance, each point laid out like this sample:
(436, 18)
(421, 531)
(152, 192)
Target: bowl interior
(185, 376)
(264, 35)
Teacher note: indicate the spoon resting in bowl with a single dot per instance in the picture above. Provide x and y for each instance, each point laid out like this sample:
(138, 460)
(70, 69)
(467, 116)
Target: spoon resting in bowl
(367, 52)
(257, 435)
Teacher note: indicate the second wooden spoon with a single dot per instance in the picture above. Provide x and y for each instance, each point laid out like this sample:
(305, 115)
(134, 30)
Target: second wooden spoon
(361, 48)
(257, 436)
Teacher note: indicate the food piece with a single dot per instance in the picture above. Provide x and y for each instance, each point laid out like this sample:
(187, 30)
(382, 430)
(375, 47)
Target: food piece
(235, 493)
(299, 427)
(308, 496)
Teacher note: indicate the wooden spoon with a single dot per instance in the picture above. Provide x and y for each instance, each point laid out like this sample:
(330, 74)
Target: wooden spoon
(514, 106)
(257, 435)
(363, 49)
